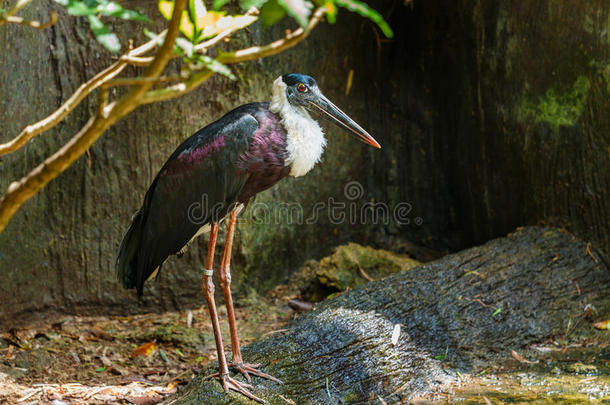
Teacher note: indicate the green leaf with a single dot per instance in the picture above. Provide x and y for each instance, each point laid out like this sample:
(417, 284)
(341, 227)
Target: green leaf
(163, 356)
(214, 66)
(184, 48)
(78, 8)
(218, 4)
(364, 10)
(197, 11)
(166, 8)
(497, 311)
(100, 369)
(159, 40)
(247, 4)
(103, 35)
(114, 9)
(331, 11)
(271, 13)
(297, 9)
(443, 356)
(103, 7)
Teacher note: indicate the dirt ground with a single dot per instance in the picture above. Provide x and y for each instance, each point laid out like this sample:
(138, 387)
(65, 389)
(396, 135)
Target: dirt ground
(121, 360)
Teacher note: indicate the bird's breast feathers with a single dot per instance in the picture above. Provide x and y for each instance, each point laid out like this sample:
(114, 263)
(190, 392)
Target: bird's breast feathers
(304, 138)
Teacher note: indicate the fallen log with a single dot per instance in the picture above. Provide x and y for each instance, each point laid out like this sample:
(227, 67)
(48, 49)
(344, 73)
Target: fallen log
(456, 313)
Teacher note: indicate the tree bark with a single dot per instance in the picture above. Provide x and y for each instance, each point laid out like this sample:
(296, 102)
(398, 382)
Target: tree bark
(474, 306)
(497, 120)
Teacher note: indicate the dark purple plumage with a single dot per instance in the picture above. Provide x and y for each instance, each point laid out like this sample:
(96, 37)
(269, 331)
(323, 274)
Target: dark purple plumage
(224, 164)
(210, 175)
(227, 162)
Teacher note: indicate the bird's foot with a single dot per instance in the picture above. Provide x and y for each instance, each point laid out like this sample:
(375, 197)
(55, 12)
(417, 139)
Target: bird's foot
(247, 369)
(229, 383)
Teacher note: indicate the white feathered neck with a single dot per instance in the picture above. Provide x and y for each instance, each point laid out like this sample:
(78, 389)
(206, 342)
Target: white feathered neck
(305, 139)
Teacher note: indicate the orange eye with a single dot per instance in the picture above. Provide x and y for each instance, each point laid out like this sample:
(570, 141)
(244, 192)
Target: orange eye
(302, 88)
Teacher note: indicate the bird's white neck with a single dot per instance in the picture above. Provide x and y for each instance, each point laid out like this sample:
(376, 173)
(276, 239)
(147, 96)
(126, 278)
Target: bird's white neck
(304, 140)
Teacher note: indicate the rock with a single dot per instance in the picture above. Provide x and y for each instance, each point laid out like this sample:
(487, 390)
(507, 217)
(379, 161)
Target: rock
(353, 265)
(349, 266)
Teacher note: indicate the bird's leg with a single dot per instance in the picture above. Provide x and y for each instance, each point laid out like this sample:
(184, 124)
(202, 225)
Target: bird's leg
(225, 282)
(228, 383)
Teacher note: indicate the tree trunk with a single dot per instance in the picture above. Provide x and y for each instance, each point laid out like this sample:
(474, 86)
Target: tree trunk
(475, 103)
(473, 305)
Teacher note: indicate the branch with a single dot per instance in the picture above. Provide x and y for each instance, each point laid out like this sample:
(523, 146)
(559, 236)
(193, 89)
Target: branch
(130, 81)
(178, 89)
(275, 47)
(32, 24)
(16, 8)
(204, 46)
(241, 55)
(134, 57)
(19, 192)
(34, 129)
(79, 95)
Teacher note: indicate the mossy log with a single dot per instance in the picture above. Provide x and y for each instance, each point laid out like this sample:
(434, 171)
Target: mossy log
(466, 309)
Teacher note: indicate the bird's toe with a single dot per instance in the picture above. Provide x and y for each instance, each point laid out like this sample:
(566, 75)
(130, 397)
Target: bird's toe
(229, 383)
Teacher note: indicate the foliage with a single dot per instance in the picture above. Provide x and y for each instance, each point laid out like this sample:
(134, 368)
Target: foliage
(198, 23)
(92, 9)
(192, 31)
(364, 10)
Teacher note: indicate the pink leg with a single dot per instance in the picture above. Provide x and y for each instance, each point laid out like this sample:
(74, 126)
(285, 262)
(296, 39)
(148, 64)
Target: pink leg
(228, 383)
(225, 283)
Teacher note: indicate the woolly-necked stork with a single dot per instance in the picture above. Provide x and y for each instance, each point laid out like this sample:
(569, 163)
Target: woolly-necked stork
(225, 164)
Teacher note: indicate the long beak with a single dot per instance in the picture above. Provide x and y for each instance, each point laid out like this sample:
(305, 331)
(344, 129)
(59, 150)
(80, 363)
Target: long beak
(335, 115)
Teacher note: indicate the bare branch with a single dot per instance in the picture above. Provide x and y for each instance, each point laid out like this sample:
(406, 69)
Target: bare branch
(134, 57)
(16, 8)
(19, 192)
(33, 24)
(34, 129)
(79, 95)
(137, 60)
(129, 81)
(178, 89)
(103, 103)
(242, 55)
(108, 114)
(204, 46)
(275, 47)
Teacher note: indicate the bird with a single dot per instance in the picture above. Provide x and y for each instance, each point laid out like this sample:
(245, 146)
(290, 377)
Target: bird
(211, 177)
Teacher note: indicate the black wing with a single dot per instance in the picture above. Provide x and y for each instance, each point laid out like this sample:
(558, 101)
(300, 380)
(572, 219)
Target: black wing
(197, 185)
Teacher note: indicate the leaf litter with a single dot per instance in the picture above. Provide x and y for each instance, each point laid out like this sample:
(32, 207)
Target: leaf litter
(139, 359)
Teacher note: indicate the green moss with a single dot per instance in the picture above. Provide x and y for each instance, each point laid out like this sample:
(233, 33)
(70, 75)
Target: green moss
(555, 107)
(351, 265)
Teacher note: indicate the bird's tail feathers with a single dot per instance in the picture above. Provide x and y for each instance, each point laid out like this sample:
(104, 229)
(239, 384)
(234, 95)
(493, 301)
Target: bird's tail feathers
(126, 261)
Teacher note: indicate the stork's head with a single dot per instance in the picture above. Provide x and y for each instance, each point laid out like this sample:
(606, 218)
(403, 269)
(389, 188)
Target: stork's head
(302, 93)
